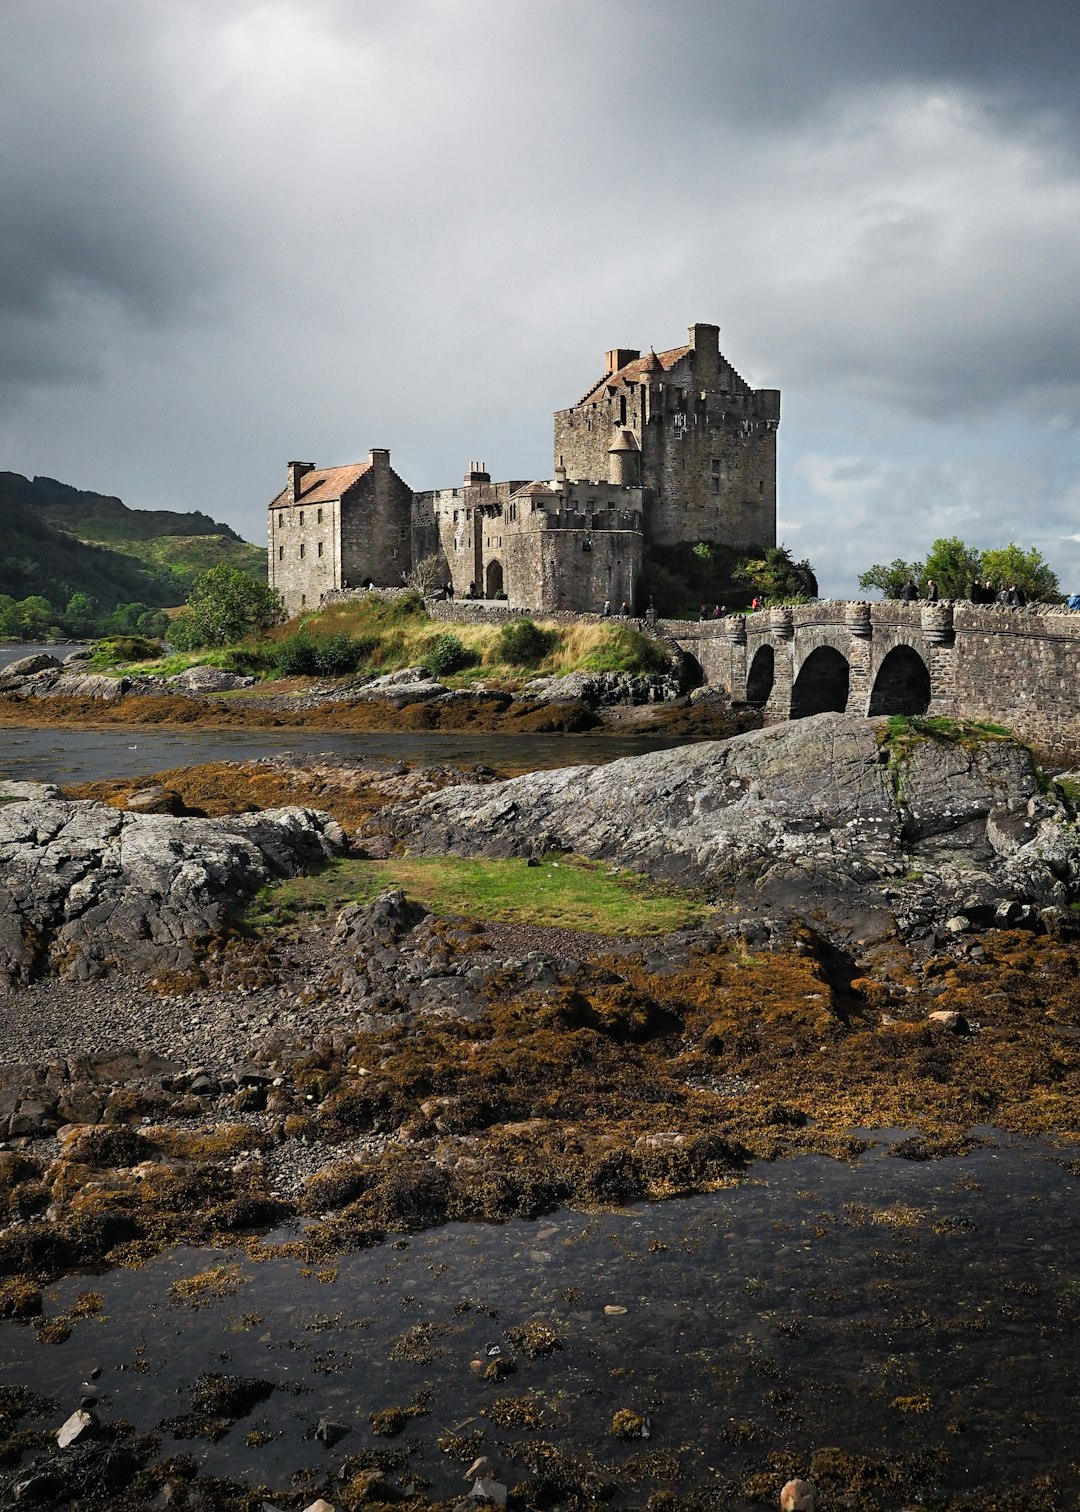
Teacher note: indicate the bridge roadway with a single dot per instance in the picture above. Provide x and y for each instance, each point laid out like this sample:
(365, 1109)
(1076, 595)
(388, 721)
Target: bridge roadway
(1015, 667)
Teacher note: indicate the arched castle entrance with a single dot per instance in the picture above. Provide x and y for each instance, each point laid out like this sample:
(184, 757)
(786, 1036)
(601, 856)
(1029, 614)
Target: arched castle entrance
(493, 579)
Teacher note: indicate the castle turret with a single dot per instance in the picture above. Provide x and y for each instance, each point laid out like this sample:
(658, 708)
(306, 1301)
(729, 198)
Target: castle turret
(624, 460)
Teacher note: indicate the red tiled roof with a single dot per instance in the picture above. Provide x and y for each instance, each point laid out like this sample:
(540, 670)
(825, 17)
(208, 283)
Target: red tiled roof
(324, 484)
(635, 372)
(533, 490)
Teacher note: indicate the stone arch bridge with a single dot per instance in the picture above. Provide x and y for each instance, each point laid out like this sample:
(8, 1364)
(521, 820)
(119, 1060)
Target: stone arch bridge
(1015, 667)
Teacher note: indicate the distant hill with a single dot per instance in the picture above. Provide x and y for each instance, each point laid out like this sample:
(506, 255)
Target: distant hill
(58, 540)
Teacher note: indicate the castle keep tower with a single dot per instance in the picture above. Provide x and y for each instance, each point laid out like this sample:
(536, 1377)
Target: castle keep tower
(700, 442)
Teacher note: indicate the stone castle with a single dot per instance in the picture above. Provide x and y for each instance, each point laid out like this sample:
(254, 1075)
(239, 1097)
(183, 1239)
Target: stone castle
(671, 447)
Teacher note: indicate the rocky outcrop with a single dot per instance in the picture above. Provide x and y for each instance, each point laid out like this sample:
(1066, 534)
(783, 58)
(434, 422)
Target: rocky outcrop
(85, 887)
(204, 679)
(597, 689)
(828, 817)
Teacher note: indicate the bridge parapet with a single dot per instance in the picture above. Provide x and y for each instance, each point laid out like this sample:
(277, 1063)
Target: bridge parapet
(1016, 667)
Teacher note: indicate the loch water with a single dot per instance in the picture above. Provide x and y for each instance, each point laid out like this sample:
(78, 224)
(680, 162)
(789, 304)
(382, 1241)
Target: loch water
(924, 1315)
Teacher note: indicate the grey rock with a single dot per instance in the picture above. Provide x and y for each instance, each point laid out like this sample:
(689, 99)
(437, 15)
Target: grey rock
(209, 680)
(595, 689)
(26, 666)
(84, 887)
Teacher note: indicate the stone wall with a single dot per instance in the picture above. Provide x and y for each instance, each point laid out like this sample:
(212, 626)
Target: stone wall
(303, 563)
(376, 520)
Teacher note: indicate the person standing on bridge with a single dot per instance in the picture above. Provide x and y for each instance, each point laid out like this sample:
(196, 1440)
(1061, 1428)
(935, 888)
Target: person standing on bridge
(908, 592)
(932, 594)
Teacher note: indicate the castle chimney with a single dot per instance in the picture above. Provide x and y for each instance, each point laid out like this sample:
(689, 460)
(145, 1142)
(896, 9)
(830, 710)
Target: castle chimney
(476, 473)
(705, 340)
(294, 471)
(618, 357)
(379, 457)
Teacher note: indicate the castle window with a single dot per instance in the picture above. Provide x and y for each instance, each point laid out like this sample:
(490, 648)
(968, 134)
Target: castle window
(622, 409)
(456, 512)
(281, 522)
(281, 553)
(320, 549)
(761, 485)
(301, 551)
(716, 464)
(303, 599)
(318, 517)
(716, 485)
(301, 517)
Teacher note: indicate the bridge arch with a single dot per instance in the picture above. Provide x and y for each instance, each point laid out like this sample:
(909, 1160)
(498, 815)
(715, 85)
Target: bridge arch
(902, 684)
(761, 676)
(822, 684)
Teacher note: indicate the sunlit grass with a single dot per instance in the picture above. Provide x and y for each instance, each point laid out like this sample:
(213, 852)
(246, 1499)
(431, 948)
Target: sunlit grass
(568, 892)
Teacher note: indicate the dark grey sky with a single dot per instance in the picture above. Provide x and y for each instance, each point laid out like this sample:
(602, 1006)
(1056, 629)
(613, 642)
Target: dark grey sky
(239, 231)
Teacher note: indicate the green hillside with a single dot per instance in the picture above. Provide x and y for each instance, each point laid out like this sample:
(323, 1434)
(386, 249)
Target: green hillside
(59, 541)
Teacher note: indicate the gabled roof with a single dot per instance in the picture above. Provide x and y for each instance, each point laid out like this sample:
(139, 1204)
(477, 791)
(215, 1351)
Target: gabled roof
(325, 484)
(534, 491)
(637, 371)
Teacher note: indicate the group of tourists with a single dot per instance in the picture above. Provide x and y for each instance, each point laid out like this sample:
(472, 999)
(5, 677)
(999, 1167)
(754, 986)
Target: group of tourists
(1011, 595)
(624, 609)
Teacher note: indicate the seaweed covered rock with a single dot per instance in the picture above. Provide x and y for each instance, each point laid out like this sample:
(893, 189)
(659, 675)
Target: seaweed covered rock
(84, 887)
(834, 816)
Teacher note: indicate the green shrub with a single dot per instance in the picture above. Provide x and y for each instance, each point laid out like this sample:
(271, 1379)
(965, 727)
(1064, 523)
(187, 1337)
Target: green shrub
(523, 644)
(118, 649)
(629, 651)
(449, 654)
(303, 655)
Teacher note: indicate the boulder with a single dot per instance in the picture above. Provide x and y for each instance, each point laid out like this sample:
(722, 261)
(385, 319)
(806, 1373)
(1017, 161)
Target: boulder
(209, 680)
(26, 666)
(818, 816)
(85, 887)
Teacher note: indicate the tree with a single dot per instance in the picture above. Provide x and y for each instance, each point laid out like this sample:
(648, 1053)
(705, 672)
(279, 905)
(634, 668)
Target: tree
(34, 617)
(774, 575)
(80, 612)
(427, 575)
(1027, 569)
(224, 606)
(890, 579)
(952, 565)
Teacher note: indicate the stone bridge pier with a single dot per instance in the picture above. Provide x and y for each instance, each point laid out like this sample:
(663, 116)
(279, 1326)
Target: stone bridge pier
(1016, 667)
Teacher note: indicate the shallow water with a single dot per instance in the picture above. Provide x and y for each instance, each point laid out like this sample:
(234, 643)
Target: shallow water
(888, 1308)
(77, 754)
(15, 650)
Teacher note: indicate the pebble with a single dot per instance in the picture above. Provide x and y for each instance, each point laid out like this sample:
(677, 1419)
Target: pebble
(798, 1496)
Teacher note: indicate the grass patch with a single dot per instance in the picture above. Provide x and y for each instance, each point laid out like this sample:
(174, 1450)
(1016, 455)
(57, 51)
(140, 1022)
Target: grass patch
(570, 893)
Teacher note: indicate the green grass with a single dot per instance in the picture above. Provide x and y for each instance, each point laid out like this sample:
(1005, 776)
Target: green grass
(568, 892)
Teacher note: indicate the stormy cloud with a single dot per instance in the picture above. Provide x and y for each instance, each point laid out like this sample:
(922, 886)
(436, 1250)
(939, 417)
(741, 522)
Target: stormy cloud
(235, 234)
